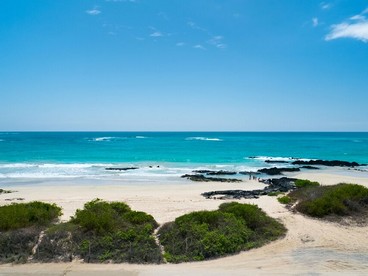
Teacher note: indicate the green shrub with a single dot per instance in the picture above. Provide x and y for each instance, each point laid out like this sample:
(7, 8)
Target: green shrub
(16, 245)
(208, 234)
(285, 199)
(339, 200)
(101, 232)
(274, 193)
(20, 215)
(302, 183)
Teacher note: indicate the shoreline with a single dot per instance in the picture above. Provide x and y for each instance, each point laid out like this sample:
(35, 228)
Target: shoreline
(310, 245)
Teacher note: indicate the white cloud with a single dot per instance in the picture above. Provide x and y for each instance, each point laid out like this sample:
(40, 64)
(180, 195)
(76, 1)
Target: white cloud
(217, 41)
(355, 27)
(180, 44)
(156, 34)
(315, 22)
(325, 6)
(357, 30)
(357, 17)
(94, 11)
(199, 46)
(195, 26)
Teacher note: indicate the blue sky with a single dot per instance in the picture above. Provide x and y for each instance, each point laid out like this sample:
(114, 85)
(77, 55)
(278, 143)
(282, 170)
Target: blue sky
(242, 65)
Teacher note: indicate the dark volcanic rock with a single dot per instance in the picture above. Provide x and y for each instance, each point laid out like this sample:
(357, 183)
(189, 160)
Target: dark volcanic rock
(121, 169)
(309, 167)
(334, 163)
(283, 184)
(209, 172)
(276, 161)
(248, 173)
(202, 171)
(202, 178)
(5, 191)
(276, 171)
(222, 173)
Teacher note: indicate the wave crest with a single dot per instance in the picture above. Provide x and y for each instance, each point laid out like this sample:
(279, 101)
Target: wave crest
(203, 139)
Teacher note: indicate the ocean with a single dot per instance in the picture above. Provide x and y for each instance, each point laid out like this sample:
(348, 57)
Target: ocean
(165, 154)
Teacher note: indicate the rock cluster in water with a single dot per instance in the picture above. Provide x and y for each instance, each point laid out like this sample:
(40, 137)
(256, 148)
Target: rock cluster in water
(276, 171)
(121, 169)
(334, 163)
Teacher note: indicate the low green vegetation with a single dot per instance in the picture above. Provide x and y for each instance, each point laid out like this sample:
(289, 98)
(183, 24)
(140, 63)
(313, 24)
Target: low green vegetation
(302, 183)
(285, 199)
(103, 232)
(274, 193)
(208, 234)
(22, 215)
(337, 200)
(20, 226)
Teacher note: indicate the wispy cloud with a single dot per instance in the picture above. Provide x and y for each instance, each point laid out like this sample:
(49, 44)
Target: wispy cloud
(315, 21)
(194, 26)
(180, 44)
(156, 34)
(325, 6)
(94, 11)
(217, 41)
(355, 27)
(199, 46)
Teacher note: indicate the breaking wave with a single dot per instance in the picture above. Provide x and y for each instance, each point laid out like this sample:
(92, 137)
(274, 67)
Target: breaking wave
(203, 139)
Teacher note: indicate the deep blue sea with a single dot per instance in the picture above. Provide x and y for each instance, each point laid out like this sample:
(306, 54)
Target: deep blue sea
(87, 154)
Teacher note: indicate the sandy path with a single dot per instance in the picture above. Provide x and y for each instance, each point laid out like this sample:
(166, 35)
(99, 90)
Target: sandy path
(310, 246)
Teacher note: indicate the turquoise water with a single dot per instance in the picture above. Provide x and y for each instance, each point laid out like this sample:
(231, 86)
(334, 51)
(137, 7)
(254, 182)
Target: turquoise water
(49, 154)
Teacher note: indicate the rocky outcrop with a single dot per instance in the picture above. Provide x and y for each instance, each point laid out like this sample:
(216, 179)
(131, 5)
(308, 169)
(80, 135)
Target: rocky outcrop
(5, 191)
(209, 172)
(202, 178)
(249, 173)
(334, 163)
(121, 169)
(283, 184)
(276, 161)
(309, 167)
(276, 171)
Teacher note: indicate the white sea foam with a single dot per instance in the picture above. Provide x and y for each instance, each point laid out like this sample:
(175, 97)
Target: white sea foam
(107, 139)
(99, 139)
(17, 165)
(71, 166)
(140, 137)
(203, 139)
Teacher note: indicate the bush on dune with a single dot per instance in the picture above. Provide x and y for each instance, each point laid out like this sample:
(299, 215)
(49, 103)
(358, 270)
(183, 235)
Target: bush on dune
(22, 215)
(20, 226)
(303, 183)
(104, 231)
(337, 200)
(208, 234)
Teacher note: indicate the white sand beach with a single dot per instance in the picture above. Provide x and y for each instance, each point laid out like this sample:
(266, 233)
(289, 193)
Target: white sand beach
(311, 246)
